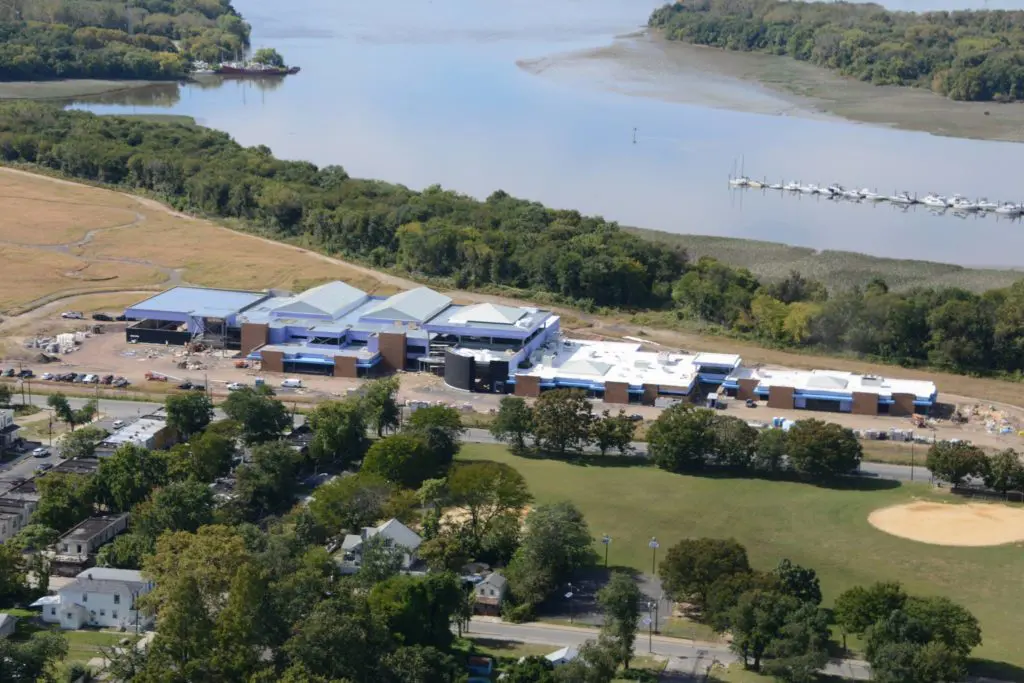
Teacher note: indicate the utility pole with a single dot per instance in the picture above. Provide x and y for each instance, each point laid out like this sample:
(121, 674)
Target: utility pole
(653, 545)
(607, 541)
(128, 14)
(634, 136)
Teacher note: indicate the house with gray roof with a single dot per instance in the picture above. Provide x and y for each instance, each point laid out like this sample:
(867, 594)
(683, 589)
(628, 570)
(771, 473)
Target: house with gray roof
(489, 594)
(395, 535)
(100, 597)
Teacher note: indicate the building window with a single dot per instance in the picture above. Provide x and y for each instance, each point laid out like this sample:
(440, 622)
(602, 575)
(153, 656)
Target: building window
(103, 612)
(78, 548)
(117, 598)
(492, 592)
(53, 611)
(65, 547)
(113, 614)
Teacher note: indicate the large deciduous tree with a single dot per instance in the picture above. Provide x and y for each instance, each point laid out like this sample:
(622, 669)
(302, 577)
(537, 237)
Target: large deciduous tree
(339, 432)
(562, 419)
(620, 602)
(402, 459)
(126, 477)
(441, 428)
(513, 423)
(65, 499)
(954, 462)
(556, 542)
(189, 413)
(380, 402)
(350, 503)
(82, 443)
(821, 450)
(679, 440)
(260, 416)
(691, 566)
(267, 485)
(800, 582)
(487, 491)
(613, 431)
(1005, 472)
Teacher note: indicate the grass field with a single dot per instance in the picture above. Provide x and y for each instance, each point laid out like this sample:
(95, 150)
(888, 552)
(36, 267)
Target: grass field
(822, 528)
(84, 645)
(837, 269)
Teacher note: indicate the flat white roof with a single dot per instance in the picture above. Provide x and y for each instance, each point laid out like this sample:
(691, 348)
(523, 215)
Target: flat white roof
(835, 381)
(595, 361)
(727, 359)
(137, 432)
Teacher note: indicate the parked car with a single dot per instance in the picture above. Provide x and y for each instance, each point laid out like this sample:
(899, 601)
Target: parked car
(26, 373)
(46, 375)
(236, 386)
(186, 385)
(751, 403)
(44, 467)
(636, 417)
(292, 383)
(102, 317)
(79, 378)
(40, 452)
(120, 318)
(198, 387)
(118, 424)
(107, 379)
(120, 382)
(9, 373)
(71, 315)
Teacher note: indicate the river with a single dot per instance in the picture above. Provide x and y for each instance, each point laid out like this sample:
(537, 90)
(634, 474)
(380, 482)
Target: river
(429, 91)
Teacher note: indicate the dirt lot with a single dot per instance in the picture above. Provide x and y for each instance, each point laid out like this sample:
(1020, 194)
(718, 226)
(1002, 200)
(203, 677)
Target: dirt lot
(971, 524)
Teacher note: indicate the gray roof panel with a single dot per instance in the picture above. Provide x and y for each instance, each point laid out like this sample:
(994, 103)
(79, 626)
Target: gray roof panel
(412, 306)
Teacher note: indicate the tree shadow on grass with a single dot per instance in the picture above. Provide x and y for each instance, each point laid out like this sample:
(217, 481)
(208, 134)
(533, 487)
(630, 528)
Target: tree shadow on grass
(1000, 671)
(587, 459)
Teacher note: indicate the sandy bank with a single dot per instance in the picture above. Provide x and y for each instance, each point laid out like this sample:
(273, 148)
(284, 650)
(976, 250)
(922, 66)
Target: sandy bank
(646, 65)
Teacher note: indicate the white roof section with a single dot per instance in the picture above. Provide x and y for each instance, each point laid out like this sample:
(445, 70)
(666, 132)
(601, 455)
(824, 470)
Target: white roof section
(835, 382)
(412, 306)
(332, 299)
(492, 314)
(595, 361)
(563, 656)
(112, 574)
(200, 301)
(724, 359)
(46, 600)
(137, 432)
(400, 534)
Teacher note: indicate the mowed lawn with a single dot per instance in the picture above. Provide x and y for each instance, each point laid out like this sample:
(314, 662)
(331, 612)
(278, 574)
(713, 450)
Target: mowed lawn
(822, 528)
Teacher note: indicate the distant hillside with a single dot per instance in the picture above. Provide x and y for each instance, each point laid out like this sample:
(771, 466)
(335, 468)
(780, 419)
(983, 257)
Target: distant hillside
(964, 55)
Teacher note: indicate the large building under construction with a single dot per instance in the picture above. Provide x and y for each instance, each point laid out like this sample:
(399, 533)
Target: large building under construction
(338, 330)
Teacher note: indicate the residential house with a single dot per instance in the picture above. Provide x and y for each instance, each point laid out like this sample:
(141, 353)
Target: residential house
(8, 430)
(563, 656)
(15, 512)
(8, 622)
(100, 597)
(396, 535)
(77, 548)
(489, 594)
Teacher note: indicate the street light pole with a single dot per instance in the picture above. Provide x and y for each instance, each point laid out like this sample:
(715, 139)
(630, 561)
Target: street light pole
(568, 596)
(607, 540)
(650, 629)
(653, 545)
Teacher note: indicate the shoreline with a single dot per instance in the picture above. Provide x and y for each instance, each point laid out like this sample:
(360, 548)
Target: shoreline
(68, 88)
(779, 86)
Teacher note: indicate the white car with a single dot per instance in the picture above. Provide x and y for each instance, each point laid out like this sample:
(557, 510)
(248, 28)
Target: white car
(72, 315)
(46, 375)
(235, 386)
(40, 452)
(118, 424)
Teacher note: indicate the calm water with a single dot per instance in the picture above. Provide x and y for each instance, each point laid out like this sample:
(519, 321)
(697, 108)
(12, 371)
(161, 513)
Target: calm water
(428, 91)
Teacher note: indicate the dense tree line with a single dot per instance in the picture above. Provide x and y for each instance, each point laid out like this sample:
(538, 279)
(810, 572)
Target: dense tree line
(104, 39)
(965, 55)
(502, 241)
(562, 422)
(778, 626)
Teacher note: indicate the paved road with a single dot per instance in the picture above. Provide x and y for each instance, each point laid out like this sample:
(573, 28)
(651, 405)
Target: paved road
(123, 410)
(687, 656)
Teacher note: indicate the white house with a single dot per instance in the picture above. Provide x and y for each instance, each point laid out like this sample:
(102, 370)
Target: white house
(8, 623)
(396, 535)
(100, 596)
(489, 594)
(563, 656)
(14, 515)
(8, 430)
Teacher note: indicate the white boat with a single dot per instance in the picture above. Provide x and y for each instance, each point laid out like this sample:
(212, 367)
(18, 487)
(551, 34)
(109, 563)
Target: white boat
(853, 194)
(934, 200)
(963, 204)
(902, 198)
(1009, 209)
(873, 196)
(775, 186)
(985, 205)
(756, 184)
(792, 187)
(836, 188)
(741, 181)
(809, 189)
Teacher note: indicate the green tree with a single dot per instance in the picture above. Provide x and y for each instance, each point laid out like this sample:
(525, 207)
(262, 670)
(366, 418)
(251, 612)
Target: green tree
(770, 451)
(126, 478)
(441, 428)
(184, 641)
(946, 622)
(513, 423)
(188, 413)
(210, 455)
(339, 432)
(379, 560)
(800, 582)
(178, 506)
(678, 440)
(725, 592)
(13, 582)
(81, 444)
(418, 610)
(267, 485)
(63, 411)
(735, 442)
(350, 503)
(5, 395)
(620, 602)
(261, 417)
(340, 640)
(531, 669)
(612, 431)
(268, 56)
(556, 542)
(756, 620)
(1005, 472)
(800, 648)
(953, 462)
(420, 664)
(380, 404)
(487, 491)
(691, 566)
(860, 607)
(65, 499)
(31, 660)
(127, 551)
(35, 537)
(403, 459)
(562, 419)
(820, 450)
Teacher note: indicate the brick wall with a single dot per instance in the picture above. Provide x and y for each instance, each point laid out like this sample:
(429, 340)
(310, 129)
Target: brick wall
(345, 366)
(527, 385)
(780, 397)
(865, 403)
(616, 392)
(254, 335)
(273, 361)
(392, 350)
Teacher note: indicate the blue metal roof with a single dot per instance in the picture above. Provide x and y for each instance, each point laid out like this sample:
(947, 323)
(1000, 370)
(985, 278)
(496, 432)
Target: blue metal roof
(201, 302)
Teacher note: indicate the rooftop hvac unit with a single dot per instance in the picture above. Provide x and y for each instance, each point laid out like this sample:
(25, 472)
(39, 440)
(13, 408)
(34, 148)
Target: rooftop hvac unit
(663, 357)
